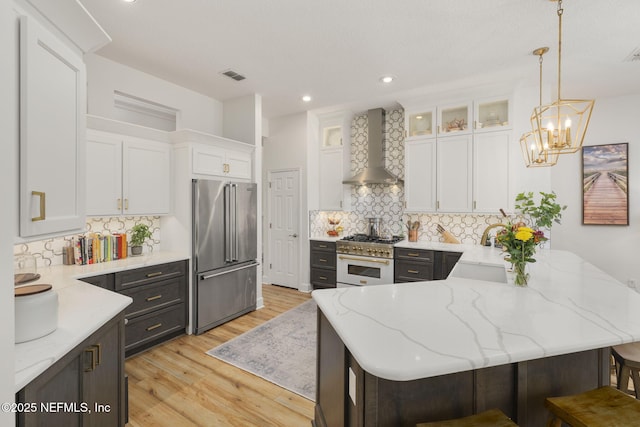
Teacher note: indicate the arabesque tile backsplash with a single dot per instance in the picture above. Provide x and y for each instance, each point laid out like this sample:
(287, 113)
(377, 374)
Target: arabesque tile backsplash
(49, 252)
(386, 201)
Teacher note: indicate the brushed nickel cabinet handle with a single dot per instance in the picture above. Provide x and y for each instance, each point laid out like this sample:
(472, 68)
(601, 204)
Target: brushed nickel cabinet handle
(156, 326)
(119, 204)
(322, 278)
(322, 260)
(413, 271)
(412, 254)
(156, 274)
(43, 206)
(153, 298)
(322, 246)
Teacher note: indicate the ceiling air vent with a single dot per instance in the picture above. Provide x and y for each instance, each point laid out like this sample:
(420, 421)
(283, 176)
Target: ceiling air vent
(233, 75)
(633, 56)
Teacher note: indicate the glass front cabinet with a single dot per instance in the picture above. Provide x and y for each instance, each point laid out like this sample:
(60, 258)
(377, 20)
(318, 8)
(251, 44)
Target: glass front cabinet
(492, 114)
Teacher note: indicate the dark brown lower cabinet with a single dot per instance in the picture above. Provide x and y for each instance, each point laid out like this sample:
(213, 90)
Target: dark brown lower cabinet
(159, 308)
(84, 388)
(518, 389)
(322, 259)
(416, 265)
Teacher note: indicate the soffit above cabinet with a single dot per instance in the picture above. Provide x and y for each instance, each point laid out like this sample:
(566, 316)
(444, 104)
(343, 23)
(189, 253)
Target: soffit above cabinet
(188, 135)
(115, 126)
(73, 20)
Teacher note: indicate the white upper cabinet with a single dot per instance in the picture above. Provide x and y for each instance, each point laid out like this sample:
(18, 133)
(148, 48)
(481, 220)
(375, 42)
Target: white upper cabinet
(146, 178)
(454, 174)
(491, 172)
(50, 39)
(333, 164)
(52, 106)
(104, 177)
(463, 166)
(420, 175)
(127, 175)
(222, 162)
(454, 119)
(420, 123)
(331, 187)
(492, 114)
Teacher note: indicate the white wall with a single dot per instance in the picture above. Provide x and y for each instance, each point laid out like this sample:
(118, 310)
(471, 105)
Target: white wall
(242, 119)
(611, 248)
(196, 111)
(8, 177)
(286, 148)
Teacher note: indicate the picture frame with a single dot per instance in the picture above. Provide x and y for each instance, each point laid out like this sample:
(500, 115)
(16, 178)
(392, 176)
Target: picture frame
(605, 191)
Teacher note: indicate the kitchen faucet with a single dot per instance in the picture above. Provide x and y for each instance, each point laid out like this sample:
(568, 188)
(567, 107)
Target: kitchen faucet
(485, 234)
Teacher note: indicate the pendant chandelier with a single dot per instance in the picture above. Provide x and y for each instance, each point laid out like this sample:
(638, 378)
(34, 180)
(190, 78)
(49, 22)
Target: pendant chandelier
(535, 150)
(563, 123)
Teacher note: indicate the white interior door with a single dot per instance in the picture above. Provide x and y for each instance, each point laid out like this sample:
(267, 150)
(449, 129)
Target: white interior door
(284, 240)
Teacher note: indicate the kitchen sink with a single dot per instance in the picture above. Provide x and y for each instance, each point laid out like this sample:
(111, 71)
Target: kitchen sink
(491, 273)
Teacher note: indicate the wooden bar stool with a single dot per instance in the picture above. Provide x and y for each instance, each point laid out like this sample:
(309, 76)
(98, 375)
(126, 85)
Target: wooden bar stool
(627, 357)
(602, 407)
(491, 418)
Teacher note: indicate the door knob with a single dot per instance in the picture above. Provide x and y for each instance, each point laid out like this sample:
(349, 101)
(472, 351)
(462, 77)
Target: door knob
(293, 235)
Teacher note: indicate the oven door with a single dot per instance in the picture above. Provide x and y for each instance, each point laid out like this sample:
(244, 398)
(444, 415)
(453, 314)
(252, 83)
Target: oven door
(363, 271)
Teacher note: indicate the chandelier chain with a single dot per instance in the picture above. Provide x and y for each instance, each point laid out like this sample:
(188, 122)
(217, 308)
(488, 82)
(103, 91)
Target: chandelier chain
(560, 12)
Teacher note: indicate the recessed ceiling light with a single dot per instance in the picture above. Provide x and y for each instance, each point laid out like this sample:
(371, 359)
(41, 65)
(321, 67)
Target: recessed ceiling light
(306, 98)
(129, 1)
(386, 79)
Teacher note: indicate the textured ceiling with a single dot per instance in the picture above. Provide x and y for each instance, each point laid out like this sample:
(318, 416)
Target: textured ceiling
(336, 50)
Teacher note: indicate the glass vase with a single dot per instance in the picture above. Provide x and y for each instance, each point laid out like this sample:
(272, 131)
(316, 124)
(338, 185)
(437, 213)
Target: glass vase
(521, 277)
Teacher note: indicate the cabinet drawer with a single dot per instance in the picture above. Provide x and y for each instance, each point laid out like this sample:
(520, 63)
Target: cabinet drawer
(323, 260)
(154, 296)
(324, 278)
(144, 329)
(318, 245)
(415, 254)
(408, 271)
(151, 274)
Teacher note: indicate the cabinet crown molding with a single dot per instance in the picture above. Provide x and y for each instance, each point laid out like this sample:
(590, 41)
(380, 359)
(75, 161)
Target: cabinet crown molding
(189, 135)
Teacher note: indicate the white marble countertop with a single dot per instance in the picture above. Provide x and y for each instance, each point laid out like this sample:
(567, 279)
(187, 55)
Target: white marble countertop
(82, 310)
(416, 330)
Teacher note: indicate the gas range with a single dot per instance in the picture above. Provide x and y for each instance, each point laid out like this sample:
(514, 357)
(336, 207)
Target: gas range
(365, 245)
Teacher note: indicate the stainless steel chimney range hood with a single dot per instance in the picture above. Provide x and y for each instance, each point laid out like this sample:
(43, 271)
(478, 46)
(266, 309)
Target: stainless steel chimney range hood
(375, 172)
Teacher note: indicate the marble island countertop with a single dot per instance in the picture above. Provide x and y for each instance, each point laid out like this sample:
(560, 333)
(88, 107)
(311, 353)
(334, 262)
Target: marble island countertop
(416, 330)
(82, 310)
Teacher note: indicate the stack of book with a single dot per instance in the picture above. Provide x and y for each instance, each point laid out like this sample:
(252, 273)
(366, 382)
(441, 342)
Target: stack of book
(94, 248)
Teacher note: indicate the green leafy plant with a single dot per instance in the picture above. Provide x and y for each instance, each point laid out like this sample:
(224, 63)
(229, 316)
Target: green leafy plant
(139, 233)
(520, 240)
(541, 215)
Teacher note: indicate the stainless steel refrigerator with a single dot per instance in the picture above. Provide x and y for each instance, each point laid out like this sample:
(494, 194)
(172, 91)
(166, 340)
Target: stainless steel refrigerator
(224, 251)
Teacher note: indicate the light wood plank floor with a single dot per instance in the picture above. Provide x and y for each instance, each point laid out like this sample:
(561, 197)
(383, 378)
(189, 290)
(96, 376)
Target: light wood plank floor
(178, 384)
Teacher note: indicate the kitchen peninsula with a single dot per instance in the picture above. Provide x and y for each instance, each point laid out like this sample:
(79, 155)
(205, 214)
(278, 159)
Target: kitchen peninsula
(424, 351)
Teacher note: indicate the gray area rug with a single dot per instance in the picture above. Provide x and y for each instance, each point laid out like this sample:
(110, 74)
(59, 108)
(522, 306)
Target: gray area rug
(282, 350)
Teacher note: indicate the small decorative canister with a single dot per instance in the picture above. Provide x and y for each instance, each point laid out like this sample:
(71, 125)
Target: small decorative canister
(36, 312)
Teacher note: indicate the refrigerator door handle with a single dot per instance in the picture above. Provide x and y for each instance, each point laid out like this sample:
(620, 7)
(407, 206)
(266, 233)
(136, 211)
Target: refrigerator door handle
(228, 237)
(253, 264)
(234, 222)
